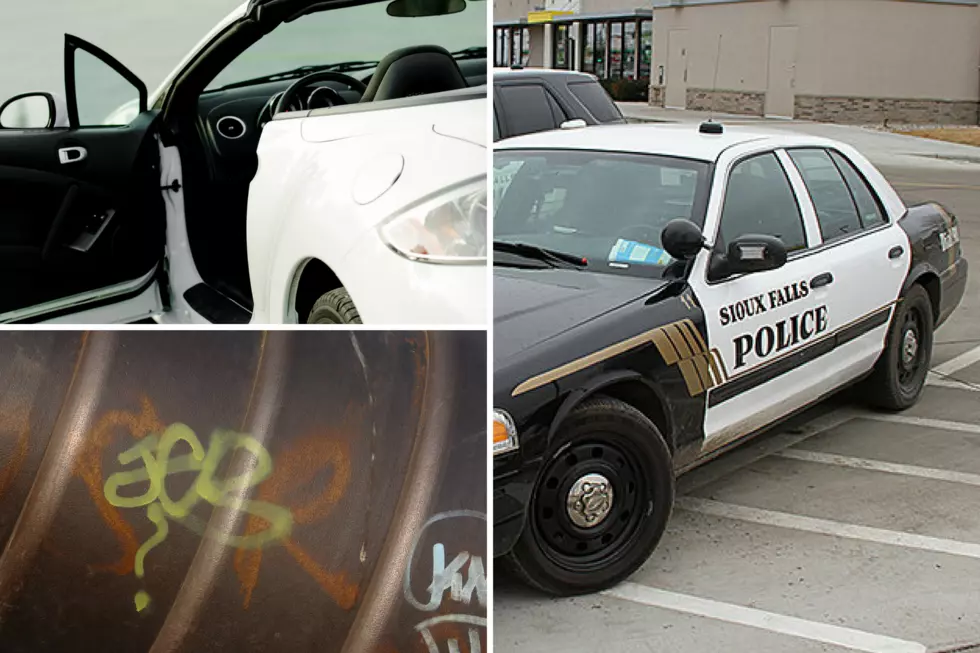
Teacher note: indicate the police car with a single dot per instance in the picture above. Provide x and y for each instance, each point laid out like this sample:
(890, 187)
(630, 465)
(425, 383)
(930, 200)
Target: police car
(316, 161)
(662, 293)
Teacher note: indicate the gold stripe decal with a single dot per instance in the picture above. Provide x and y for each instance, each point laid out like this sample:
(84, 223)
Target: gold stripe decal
(679, 343)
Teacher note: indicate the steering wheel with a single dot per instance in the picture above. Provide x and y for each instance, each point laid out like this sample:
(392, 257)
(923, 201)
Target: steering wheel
(290, 97)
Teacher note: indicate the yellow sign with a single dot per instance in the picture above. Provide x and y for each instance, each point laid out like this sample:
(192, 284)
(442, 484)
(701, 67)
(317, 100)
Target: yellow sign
(545, 16)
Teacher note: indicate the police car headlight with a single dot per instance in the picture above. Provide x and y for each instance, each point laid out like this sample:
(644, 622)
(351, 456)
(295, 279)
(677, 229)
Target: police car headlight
(504, 432)
(450, 228)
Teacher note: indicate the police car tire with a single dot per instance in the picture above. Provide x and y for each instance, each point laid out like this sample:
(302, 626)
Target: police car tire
(604, 421)
(885, 387)
(335, 307)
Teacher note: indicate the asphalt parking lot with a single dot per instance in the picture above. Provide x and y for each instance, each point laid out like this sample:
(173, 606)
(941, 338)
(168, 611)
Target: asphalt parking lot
(842, 530)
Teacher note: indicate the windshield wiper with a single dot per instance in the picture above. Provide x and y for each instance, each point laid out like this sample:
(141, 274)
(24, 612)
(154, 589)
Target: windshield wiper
(302, 71)
(470, 53)
(552, 257)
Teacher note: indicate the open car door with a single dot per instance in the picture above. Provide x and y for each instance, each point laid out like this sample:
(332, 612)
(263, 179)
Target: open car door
(82, 222)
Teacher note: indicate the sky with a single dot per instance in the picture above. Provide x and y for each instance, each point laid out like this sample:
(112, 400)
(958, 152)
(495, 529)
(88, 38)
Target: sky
(150, 37)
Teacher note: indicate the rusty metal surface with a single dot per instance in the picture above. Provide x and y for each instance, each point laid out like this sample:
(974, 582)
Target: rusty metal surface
(243, 491)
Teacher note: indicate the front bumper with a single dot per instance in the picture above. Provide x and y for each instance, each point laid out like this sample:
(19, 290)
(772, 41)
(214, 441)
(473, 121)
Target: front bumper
(388, 288)
(513, 481)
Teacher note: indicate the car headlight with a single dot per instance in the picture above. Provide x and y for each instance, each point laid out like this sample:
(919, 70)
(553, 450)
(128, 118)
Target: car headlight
(504, 433)
(448, 228)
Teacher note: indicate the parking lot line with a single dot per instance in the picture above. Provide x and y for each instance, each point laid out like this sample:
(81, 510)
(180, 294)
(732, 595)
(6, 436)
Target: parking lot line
(939, 382)
(829, 527)
(954, 365)
(849, 638)
(925, 422)
(880, 466)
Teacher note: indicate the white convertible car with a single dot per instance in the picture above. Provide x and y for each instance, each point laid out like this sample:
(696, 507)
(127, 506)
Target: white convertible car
(310, 161)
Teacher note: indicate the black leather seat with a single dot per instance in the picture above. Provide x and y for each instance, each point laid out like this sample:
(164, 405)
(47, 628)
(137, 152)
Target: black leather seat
(418, 70)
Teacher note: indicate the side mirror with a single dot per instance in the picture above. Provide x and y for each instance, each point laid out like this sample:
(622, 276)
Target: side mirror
(682, 239)
(576, 123)
(28, 111)
(748, 254)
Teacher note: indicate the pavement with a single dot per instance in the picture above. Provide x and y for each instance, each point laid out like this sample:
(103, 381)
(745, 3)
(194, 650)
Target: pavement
(879, 145)
(842, 530)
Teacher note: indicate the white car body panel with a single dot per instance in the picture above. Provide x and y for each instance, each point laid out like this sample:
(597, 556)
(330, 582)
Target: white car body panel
(864, 258)
(301, 207)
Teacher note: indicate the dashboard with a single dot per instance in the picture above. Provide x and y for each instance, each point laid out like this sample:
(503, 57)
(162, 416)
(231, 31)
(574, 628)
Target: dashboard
(232, 120)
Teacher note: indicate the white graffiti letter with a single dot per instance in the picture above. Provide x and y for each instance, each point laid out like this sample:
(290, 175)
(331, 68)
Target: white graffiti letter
(451, 578)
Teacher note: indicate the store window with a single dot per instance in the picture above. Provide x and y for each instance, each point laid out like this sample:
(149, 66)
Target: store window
(601, 46)
(562, 55)
(646, 47)
(511, 46)
(629, 50)
(588, 58)
(616, 50)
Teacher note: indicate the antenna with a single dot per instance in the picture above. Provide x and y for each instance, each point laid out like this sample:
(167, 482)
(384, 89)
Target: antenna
(714, 83)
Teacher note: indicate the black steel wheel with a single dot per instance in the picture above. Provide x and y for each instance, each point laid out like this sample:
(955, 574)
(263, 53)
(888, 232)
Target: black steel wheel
(900, 373)
(601, 501)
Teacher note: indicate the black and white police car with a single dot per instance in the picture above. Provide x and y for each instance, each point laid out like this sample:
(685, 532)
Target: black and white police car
(662, 293)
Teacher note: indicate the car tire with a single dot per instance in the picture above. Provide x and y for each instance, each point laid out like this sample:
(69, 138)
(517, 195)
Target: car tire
(900, 373)
(604, 439)
(335, 307)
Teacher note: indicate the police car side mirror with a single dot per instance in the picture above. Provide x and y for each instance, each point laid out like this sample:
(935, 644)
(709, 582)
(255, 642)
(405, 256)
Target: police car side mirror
(751, 253)
(682, 239)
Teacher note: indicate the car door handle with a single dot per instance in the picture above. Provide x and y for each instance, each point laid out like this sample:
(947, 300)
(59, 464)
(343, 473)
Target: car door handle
(72, 155)
(821, 280)
(896, 252)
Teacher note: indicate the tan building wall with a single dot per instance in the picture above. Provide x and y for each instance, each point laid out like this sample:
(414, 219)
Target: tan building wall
(847, 60)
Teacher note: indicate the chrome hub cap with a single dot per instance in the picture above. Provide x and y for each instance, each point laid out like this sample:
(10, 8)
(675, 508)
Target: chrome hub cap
(910, 347)
(590, 500)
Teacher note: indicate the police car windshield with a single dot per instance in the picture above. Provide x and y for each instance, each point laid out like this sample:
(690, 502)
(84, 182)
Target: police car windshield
(606, 207)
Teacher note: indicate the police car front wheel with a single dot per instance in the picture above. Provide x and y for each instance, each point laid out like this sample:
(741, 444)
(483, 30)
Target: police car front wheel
(600, 503)
(900, 373)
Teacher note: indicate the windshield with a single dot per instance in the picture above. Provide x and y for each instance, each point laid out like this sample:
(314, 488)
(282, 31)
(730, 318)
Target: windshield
(605, 207)
(362, 34)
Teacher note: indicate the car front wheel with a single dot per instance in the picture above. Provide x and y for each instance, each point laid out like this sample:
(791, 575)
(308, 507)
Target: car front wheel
(900, 373)
(334, 307)
(600, 503)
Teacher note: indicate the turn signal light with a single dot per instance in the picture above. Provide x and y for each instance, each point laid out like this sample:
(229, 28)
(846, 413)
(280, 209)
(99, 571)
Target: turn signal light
(504, 433)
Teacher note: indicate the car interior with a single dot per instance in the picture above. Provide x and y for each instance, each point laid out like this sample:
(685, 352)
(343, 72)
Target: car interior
(82, 209)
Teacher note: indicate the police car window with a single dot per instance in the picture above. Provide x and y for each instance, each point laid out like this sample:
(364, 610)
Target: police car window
(527, 109)
(832, 200)
(608, 208)
(760, 200)
(867, 203)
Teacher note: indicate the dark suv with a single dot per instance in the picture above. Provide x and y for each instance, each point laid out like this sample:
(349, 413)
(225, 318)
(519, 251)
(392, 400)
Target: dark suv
(527, 100)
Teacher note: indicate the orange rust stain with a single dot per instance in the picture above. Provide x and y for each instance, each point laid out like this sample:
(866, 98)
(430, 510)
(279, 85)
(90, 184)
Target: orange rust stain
(340, 589)
(294, 470)
(89, 468)
(10, 470)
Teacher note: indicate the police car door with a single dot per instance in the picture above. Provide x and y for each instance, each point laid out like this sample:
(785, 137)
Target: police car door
(758, 323)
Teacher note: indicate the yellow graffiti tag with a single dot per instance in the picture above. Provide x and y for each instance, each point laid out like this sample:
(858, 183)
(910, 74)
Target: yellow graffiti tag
(158, 463)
